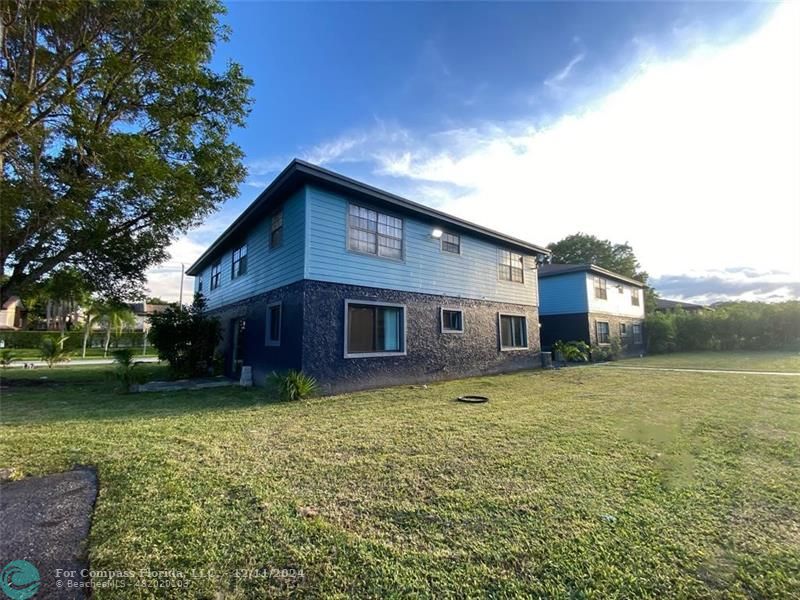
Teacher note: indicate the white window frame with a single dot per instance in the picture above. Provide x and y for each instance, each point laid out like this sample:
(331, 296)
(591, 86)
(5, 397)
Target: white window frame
(597, 332)
(403, 333)
(267, 340)
(636, 297)
(442, 328)
(596, 284)
(503, 348)
(500, 263)
(378, 235)
(623, 330)
(441, 243)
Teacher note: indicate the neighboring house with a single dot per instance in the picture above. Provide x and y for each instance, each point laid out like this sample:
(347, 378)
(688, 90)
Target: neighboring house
(589, 303)
(665, 305)
(142, 312)
(12, 314)
(358, 287)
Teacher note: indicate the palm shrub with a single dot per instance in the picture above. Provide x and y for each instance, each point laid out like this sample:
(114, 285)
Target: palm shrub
(6, 358)
(293, 385)
(52, 351)
(125, 368)
(576, 351)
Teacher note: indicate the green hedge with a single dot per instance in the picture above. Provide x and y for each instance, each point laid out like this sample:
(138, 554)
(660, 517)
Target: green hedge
(735, 326)
(33, 339)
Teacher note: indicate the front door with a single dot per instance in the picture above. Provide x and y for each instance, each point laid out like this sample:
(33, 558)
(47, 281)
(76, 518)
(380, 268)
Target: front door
(238, 355)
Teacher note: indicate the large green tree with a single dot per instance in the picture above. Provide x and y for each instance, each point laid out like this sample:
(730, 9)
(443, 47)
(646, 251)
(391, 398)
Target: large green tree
(113, 135)
(582, 248)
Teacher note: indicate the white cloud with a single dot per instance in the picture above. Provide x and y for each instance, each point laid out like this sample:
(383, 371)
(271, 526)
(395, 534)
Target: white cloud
(693, 161)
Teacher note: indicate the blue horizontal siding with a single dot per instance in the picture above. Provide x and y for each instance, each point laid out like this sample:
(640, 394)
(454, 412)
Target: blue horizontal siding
(425, 268)
(563, 294)
(267, 268)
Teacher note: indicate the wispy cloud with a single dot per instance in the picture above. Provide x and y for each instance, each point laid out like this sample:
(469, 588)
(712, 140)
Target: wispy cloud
(555, 80)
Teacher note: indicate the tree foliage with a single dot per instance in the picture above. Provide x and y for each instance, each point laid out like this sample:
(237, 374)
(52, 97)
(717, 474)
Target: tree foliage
(113, 135)
(582, 248)
(732, 326)
(186, 338)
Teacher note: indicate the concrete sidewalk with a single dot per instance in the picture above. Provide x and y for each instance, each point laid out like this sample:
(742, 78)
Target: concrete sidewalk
(79, 362)
(689, 370)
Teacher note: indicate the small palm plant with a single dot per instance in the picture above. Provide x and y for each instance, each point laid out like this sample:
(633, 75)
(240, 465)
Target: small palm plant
(294, 385)
(126, 372)
(52, 350)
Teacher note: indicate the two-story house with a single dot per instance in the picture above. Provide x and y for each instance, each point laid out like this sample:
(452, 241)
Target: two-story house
(358, 287)
(592, 304)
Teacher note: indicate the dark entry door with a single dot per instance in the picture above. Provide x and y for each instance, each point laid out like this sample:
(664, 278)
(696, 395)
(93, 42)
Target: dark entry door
(238, 355)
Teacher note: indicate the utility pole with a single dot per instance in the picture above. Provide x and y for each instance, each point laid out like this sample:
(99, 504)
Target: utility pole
(180, 298)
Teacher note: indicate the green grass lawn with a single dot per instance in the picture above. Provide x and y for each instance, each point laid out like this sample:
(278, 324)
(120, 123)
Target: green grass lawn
(29, 354)
(580, 482)
(788, 362)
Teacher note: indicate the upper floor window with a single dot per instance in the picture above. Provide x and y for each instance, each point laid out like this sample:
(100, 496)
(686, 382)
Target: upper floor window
(200, 284)
(451, 242)
(276, 230)
(635, 297)
(239, 262)
(600, 288)
(510, 266)
(375, 233)
(216, 272)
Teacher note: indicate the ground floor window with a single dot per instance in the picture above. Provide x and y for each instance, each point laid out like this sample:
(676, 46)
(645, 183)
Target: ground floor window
(603, 331)
(274, 324)
(623, 329)
(513, 332)
(452, 320)
(637, 334)
(374, 329)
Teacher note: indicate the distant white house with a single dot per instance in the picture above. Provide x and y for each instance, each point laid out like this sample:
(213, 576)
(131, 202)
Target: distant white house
(12, 314)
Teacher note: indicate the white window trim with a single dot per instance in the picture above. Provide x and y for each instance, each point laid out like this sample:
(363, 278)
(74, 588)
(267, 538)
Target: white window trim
(523, 262)
(597, 333)
(350, 301)
(347, 246)
(267, 341)
(500, 332)
(460, 244)
(441, 319)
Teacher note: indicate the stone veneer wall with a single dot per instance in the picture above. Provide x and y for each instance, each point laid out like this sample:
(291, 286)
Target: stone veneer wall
(628, 347)
(430, 354)
(264, 359)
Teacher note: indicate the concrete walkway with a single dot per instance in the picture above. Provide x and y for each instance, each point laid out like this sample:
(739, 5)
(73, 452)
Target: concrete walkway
(688, 370)
(79, 362)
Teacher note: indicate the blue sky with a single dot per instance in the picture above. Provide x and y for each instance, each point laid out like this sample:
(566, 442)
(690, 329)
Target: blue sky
(524, 106)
